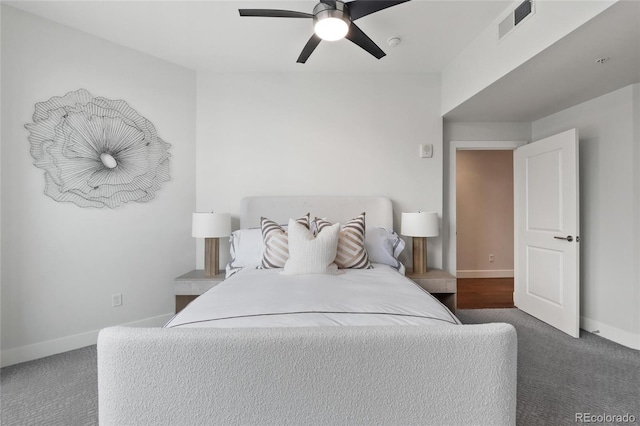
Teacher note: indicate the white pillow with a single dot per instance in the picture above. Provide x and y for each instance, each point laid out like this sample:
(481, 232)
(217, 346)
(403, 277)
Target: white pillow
(309, 254)
(384, 246)
(245, 249)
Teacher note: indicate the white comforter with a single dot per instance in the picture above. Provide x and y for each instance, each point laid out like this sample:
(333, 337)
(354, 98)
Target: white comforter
(266, 298)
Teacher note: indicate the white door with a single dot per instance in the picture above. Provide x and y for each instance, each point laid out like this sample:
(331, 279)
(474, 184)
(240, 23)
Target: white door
(547, 248)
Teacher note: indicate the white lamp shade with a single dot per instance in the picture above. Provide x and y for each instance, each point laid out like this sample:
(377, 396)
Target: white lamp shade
(211, 225)
(420, 224)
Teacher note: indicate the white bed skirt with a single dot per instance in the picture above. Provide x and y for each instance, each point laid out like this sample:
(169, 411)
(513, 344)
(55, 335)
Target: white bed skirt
(395, 375)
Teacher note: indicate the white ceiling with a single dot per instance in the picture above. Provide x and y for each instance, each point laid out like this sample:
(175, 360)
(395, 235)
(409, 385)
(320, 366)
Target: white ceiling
(566, 73)
(211, 36)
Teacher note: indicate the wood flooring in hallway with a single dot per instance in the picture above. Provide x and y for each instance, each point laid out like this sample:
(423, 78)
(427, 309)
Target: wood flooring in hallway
(481, 293)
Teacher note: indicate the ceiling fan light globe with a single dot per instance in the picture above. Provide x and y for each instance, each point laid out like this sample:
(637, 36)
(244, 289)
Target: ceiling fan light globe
(331, 28)
(331, 20)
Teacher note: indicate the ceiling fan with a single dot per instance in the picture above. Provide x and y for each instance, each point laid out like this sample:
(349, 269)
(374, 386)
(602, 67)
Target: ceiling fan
(333, 20)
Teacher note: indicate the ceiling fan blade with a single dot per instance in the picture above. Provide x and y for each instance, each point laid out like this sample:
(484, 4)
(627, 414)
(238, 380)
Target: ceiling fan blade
(357, 36)
(360, 8)
(274, 13)
(311, 45)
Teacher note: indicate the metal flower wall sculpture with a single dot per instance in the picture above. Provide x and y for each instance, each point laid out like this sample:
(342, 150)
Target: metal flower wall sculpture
(97, 152)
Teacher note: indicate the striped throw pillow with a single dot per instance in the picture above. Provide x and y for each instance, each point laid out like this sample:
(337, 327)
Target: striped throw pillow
(351, 251)
(276, 242)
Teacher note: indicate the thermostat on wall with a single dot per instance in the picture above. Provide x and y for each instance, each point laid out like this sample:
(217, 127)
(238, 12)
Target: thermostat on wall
(426, 150)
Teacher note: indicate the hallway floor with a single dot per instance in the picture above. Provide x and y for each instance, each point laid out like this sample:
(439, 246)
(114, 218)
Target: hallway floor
(481, 293)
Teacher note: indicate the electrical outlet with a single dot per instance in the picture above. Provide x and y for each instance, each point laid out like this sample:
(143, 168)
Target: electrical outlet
(491, 257)
(116, 300)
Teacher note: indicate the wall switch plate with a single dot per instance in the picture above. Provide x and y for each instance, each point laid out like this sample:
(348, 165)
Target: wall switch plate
(116, 300)
(426, 150)
(491, 258)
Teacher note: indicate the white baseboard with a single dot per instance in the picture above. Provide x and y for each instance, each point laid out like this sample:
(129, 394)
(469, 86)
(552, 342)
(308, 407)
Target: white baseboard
(68, 343)
(614, 334)
(485, 273)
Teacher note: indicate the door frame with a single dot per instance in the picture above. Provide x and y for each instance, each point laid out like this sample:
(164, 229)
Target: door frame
(454, 147)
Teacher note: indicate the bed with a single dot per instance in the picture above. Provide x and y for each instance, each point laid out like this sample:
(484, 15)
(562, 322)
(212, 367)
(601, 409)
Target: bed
(362, 346)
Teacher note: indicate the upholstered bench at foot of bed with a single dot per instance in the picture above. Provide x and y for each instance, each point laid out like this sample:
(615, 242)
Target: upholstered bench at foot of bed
(454, 375)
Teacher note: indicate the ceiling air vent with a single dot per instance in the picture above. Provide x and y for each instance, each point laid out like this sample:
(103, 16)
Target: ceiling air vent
(514, 18)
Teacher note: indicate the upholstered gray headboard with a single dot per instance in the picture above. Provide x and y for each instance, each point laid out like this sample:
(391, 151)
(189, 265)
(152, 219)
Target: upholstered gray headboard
(334, 208)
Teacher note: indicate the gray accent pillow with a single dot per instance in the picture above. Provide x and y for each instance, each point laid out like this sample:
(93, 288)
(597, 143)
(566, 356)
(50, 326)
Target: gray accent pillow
(384, 246)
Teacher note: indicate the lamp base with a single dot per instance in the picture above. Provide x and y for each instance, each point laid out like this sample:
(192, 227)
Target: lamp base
(420, 255)
(211, 258)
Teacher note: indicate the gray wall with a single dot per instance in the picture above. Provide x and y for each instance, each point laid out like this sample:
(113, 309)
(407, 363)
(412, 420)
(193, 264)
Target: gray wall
(61, 263)
(609, 209)
(324, 134)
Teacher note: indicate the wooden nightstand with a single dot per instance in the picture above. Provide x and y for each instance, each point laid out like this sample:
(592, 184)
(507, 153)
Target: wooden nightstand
(439, 283)
(191, 285)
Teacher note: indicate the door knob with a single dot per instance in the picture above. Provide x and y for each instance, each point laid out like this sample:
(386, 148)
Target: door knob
(568, 238)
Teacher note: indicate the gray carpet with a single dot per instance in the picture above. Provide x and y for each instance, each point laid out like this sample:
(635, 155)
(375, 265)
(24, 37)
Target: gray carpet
(59, 390)
(557, 377)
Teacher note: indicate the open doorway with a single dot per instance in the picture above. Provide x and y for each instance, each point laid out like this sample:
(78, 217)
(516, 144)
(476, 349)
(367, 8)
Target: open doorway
(481, 222)
(484, 192)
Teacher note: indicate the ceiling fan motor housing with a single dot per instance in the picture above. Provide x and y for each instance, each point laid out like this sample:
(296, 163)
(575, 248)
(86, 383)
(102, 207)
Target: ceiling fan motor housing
(335, 10)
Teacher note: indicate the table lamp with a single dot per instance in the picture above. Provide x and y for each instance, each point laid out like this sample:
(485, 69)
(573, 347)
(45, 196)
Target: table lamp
(211, 226)
(419, 226)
